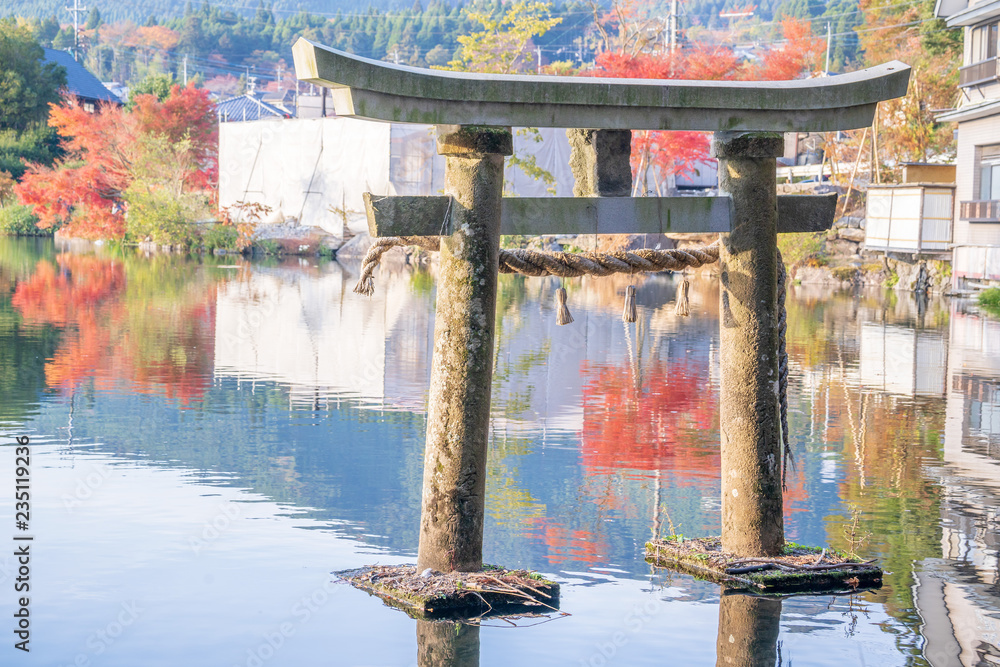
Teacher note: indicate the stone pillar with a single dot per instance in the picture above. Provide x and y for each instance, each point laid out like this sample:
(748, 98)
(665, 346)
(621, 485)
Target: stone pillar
(453, 504)
(441, 644)
(752, 523)
(748, 631)
(600, 162)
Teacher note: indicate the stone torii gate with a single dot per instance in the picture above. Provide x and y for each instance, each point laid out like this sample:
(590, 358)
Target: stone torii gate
(473, 114)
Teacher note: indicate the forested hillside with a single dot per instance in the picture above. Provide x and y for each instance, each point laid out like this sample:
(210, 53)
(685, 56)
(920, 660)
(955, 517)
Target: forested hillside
(140, 10)
(127, 41)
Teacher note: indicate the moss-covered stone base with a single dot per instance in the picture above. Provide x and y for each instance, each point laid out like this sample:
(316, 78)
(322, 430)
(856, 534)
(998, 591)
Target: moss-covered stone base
(494, 590)
(799, 570)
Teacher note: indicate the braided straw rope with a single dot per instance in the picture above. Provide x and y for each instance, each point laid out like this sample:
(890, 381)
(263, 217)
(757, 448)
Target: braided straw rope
(783, 370)
(572, 265)
(562, 264)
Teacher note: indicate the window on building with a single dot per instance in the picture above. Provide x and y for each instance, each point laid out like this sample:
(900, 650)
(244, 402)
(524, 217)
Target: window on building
(984, 42)
(989, 172)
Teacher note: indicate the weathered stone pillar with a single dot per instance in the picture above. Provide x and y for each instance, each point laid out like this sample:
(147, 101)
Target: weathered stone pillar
(451, 517)
(752, 523)
(600, 160)
(748, 631)
(441, 644)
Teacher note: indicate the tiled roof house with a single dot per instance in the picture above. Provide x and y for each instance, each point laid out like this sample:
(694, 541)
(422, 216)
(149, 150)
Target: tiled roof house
(247, 107)
(80, 82)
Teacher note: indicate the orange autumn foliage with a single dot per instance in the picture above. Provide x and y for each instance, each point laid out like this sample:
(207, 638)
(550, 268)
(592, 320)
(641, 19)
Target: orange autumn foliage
(83, 191)
(679, 153)
(85, 186)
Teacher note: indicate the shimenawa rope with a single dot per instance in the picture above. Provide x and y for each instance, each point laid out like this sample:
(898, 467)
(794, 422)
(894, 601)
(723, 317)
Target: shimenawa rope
(571, 265)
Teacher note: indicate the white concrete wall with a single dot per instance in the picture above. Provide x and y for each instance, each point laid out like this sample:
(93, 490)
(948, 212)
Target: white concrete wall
(302, 167)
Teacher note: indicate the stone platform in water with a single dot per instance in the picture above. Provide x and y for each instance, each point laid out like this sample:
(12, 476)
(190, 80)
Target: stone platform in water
(491, 591)
(799, 570)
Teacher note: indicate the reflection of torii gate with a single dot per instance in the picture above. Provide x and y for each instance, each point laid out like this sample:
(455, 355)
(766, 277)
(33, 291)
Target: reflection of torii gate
(474, 113)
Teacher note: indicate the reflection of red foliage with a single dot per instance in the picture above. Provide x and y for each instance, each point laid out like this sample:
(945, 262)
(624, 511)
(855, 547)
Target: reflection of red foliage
(566, 544)
(795, 497)
(113, 341)
(667, 424)
(62, 295)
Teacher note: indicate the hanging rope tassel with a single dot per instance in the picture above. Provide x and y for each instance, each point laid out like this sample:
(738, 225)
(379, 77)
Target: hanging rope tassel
(788, 458)
(629, 314)
(681, 308)
(562, 314)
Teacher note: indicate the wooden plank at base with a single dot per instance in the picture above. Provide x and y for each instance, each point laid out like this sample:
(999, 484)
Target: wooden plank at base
(535, 216)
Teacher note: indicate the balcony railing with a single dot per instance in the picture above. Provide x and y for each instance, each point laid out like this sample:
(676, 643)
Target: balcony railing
(976, 73)
(980, 211)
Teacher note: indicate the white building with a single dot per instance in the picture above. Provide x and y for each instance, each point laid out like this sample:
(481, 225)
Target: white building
(977, 216)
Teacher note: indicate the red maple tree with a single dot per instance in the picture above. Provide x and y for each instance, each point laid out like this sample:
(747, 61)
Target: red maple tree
(678, 153)
(83, 191)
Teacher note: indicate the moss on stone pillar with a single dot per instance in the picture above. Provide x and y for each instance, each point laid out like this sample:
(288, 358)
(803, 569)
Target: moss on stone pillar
(752, 522)
(454, 486)
(600, 160)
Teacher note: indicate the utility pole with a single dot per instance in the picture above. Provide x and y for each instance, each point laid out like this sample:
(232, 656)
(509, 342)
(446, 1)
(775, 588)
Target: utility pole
(538, 59)
(673, 25)
(185, 70)
(829, 35)
(281, 71)
(76, 9)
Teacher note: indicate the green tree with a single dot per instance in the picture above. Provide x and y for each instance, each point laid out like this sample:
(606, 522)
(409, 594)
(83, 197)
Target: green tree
(27, 83)
(503, 45)
(38, 143)
(27, 86)
(46, 30)
(843, 16)
(93, 19)
(154, 84)
(64, 38)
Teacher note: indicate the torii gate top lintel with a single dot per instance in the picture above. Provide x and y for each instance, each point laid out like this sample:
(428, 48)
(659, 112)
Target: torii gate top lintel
(398, 93)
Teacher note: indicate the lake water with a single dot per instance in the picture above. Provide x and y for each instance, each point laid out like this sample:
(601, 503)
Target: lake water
(212, 438)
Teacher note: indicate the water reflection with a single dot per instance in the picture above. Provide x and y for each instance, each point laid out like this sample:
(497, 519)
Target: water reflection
(958, 594)
(748, 631)
(447, 644)
(275, 380)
